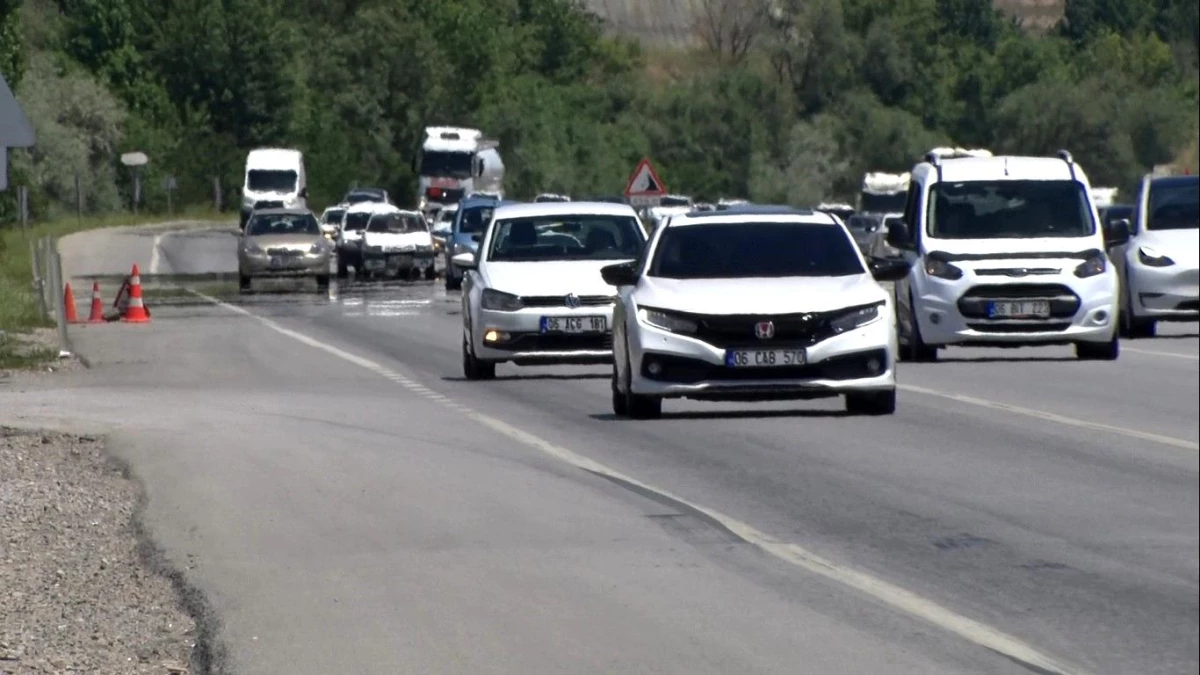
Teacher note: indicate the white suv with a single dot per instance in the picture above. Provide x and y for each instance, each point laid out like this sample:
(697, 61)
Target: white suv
(1007, 251)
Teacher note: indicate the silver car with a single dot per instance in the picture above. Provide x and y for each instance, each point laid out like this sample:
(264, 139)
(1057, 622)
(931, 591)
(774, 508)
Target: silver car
(283, 243)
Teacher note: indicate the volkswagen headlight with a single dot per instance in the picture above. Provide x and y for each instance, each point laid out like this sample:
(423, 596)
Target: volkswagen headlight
(941, 269)
(855, 318)
(500, 301)
(1095, 264)
(667, 321)
(1152, 258)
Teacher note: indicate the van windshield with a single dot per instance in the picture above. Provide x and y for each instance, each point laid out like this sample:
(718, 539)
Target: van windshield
(1009, 209)
(270, 180)
(451, 164)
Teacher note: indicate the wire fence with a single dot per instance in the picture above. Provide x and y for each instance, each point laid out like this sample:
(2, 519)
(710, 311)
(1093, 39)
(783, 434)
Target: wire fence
(165, 197)
(657, 23)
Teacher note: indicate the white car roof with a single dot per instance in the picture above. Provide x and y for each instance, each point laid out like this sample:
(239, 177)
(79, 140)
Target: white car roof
(562, 209)
(726, 218)
(1005, 167)
(372, 207)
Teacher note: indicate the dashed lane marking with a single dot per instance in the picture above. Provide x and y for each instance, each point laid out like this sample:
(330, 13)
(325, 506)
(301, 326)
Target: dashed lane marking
(1154, 352)
(1052, 417)
(155, 253)
(896, 597)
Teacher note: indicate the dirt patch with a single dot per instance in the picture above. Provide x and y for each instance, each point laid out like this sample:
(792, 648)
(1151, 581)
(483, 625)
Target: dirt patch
(28, 353)
(77, 591)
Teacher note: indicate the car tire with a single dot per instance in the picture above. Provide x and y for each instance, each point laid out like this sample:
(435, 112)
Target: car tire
(430, 273)
(1099, 351)
(620, 405)
(1133, 327)
(916, 350)
(475, 369)
(639, 406)
(243, 283)
(871, 403)
(343, 270)
(323, 283)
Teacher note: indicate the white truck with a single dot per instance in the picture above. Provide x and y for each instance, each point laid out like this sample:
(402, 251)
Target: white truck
(274, 178)
(883, 192)
(454, 162)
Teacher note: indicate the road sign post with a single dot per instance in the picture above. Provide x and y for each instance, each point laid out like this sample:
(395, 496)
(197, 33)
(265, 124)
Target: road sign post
(644, 188)
(135, 161)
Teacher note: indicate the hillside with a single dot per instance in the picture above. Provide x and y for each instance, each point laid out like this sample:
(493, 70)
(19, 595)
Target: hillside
(671, 23)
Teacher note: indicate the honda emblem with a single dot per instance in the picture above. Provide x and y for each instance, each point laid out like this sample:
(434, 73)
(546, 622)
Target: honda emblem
(764, 330)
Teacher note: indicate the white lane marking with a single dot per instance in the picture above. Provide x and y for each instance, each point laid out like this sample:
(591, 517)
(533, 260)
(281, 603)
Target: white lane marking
(155, 255)
(896, 597)
(1051, 417)
(1152, 352)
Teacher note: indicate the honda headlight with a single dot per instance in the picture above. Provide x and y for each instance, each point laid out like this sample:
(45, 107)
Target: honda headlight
(1096, 263)
(1152, 258)
(854, 318)
(668, 321)
(942, 269)
(500, 302)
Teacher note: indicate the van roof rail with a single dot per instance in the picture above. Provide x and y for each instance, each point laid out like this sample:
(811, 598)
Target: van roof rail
(1065, 156)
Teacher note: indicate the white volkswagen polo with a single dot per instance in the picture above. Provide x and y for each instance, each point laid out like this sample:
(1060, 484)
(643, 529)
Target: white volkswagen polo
(533, 294)
(753, 304)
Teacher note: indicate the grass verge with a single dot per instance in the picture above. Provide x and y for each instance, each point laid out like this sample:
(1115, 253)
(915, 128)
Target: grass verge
(19, 308)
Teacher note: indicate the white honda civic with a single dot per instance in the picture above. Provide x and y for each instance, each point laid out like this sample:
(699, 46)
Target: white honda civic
(533, 294)
(753, 305)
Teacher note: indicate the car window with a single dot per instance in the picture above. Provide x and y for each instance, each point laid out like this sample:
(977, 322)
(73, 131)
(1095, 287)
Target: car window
(282, 223)
(566, 237)
(396, 223)
(1008, 209)
(357, 221)
(765, 249)
(334, 216)
(474, 220)
(1174, 206)
(265, 180)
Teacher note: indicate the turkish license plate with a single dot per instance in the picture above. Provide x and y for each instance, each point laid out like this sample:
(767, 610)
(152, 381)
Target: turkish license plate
(764, 358)
(1019, 309)
(574, 324)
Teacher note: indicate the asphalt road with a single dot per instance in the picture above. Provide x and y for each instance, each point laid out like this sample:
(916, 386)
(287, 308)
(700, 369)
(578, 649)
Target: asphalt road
(349, 503)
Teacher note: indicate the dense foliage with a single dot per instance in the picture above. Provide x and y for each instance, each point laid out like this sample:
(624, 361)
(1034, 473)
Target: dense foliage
(825, 90)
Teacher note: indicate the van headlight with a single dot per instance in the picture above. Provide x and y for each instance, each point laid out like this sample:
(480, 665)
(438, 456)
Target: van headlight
(1152, 258)
(1096, 263)
(854, 318)
(941, 269)
(500, 301)
(667, 321)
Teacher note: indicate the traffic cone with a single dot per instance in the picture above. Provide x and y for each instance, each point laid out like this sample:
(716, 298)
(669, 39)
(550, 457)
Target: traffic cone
(97, 315)
(136, 311)
(69, 304)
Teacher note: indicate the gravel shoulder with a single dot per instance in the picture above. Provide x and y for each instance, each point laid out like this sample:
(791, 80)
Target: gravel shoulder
(80, 590)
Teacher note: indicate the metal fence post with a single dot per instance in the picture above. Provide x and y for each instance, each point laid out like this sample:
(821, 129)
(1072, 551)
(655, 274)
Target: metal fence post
(48, 278)
(39, 274)
(64, 341)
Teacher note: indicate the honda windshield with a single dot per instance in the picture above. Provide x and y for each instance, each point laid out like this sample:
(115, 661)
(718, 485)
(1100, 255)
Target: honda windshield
(566, 237)
(1174, 205)
(1009, 209)
(766, 249)
(263, 180)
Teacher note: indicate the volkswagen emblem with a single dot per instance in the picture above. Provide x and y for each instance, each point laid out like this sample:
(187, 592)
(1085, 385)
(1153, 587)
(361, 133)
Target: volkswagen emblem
(764, 330)
(572, 300)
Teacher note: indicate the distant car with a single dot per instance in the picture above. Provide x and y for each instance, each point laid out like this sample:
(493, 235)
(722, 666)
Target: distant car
(470, 221)
(442, 226)
(550, 197)
(366, 194)
(729, 306)
(1159, 265)
(283, 243)
(398, 244)
(862, 226)
(675, 200)
(331, 219)
(534, 295)
(350, 235)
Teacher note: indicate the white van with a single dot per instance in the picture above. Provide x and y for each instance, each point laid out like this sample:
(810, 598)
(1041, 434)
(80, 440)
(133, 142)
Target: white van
(1007, 251)
(275, 178)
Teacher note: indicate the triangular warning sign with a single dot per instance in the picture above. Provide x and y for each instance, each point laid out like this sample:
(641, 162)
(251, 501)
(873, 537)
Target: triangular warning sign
(644, 182)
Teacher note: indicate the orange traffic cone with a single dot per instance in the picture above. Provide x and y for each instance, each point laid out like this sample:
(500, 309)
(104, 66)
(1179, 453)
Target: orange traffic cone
(97, 315)
(69, 304)
(136, 311)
